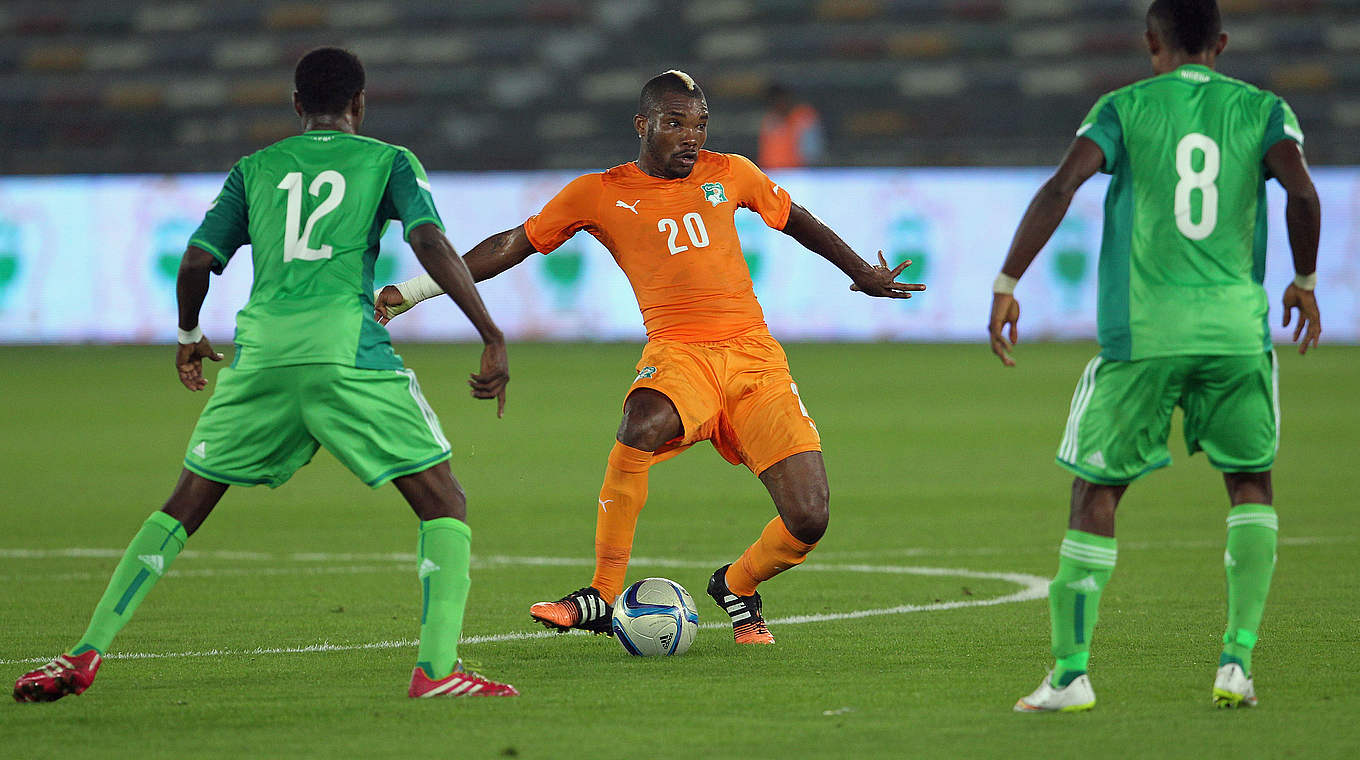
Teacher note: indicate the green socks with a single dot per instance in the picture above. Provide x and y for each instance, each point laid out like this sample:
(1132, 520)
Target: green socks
(147, 558)
(1085, 564)
(445, 549)
(1249, 562)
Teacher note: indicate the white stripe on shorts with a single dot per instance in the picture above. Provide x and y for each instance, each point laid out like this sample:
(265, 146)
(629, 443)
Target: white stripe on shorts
(1275, 394)
(1081, 398)
(430, 419)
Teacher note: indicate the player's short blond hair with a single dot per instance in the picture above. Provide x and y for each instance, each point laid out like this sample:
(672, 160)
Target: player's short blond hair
(686, 78)
(670, 81)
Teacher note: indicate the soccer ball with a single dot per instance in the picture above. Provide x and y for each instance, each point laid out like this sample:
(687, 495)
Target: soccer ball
(655, 616)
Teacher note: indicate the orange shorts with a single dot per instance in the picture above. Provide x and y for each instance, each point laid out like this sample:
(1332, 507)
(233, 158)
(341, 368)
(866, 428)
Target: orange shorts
(737, 393)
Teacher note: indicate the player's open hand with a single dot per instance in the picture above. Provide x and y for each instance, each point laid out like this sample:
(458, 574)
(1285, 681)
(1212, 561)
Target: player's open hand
(1309, 323)
(494, 376)
(1005, 311)
(388, 303)
(881, 281)
(189, 361)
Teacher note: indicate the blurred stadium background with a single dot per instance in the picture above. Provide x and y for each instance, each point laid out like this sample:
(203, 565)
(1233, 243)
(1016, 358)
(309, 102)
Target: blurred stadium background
(536, 90)
(120, 86)
(119, 121)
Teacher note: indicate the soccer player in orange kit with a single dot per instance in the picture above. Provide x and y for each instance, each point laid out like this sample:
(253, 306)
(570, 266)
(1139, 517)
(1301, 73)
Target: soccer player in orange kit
(710, 370)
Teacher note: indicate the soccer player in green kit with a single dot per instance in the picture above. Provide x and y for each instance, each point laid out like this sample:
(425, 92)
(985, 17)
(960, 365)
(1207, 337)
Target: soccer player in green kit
(312, 367)
(1182, 321)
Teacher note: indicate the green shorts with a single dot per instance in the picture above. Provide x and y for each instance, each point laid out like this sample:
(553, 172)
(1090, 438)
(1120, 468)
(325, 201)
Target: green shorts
(1121, 415)
(262, 425)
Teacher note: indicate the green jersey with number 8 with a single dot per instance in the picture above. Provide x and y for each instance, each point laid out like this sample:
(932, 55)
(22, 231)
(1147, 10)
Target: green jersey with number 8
(313, 208)
(1183, 253)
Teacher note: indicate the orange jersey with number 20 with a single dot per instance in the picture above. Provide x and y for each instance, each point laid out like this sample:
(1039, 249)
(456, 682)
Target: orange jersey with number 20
(675, 239)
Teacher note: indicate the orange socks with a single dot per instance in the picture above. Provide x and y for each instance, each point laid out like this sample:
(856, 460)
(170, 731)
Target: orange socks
(621, 499)
(774, 552)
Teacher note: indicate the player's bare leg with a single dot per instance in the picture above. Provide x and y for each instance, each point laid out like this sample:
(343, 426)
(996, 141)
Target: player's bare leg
(442, 556)
(434, 493)
(1093, 507)
(798, 486)
(147, 558)
(1249, 561)
(801, 494)
(649, 421)
(193, 500)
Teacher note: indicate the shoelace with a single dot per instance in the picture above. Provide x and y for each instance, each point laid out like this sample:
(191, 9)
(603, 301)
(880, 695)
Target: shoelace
(56, 667)
(470, 669)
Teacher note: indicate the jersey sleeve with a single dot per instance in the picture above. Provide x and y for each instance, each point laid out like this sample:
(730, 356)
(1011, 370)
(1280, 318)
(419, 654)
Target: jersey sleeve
(759, 193)
(571, 210)
(1281, 125)
(409, 197)
(225, 226)
(1102, 126)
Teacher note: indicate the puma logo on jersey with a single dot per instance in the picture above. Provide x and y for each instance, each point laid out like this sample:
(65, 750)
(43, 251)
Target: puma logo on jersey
(632, 208)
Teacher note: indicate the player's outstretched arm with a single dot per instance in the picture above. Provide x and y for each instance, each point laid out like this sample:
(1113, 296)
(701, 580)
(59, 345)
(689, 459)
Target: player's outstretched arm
(191, 288)
(442, 263)
(486, 260)
(1084, 158)
(880, 280)
(1303, 218)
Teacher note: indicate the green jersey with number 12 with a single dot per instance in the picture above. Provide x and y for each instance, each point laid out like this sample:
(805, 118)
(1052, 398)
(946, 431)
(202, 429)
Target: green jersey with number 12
(1183, 253)
(313, 208)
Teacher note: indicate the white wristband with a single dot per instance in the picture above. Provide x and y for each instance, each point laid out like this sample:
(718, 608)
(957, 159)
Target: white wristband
(419, 288)
(190, 337)
(1305, 281)
(1004, 284)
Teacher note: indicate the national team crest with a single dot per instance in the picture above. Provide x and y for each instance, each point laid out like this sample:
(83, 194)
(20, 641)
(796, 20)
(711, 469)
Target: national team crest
(713, 193)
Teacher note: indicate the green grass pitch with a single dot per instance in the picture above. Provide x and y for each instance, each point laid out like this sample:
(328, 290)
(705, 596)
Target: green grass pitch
(938, 457)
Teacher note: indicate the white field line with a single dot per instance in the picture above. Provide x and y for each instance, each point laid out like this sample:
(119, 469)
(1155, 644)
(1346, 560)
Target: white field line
(1032, 587)
(1124, 545)
(222, 572)
(495, 560)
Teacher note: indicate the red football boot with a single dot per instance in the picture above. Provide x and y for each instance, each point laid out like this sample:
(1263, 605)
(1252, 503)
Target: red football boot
(459, 683)
(67, 674)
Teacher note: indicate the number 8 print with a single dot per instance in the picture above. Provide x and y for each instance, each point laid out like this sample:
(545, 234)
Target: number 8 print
(1191, 180)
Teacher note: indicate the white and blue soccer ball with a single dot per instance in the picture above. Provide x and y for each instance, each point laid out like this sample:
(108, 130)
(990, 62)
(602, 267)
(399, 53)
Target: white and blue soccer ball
(655, 616)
